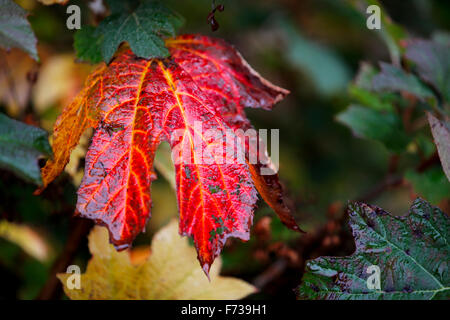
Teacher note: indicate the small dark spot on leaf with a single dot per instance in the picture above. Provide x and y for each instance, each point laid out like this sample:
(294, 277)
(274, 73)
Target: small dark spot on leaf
(370, 224)
(418, 233)
(187, 172)
(379, 212)
(314, 287)
(214, 189)
(407, 289)
(41, 162)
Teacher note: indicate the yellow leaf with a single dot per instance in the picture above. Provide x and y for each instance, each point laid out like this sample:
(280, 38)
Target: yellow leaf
(60, 79)
(73, 168)
(163, 163)
(15, 87)
(171, 272)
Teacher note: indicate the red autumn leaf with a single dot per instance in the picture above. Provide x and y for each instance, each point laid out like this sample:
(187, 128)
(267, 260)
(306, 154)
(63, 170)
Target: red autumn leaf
(229, 80)
(135, 104)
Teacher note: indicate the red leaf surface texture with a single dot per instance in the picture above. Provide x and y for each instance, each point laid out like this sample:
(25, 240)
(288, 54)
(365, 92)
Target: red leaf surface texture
(135, 104)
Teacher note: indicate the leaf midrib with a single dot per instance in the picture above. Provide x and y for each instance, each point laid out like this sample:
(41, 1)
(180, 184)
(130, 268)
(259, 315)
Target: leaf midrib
(405, 254)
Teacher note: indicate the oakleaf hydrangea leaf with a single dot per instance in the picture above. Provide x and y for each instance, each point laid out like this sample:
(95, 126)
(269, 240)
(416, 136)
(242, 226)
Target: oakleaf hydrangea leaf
(134, 104)
(411, 253)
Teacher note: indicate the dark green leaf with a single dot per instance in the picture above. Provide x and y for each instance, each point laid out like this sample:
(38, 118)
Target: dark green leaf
(371, 124)
(20, 147)
(143, 27)
(425, 144)
(365, 75)
(431, 184)
(370, 99)
(87, 44)
(395, 79)
(361, 90)
(432, 60)
(411, 251)
(15, 30)
(121, 6)
(324, 67)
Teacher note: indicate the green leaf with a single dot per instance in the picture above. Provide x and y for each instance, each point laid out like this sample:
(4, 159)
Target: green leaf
(441, 136)
(361, 90)
(142, 25)
(120, 6)
(371, 124)
(411, 251)
(432, 60)
(425, 144)
(366, 72)
(87, 43)
(15, 30)
(441, 36)
(163, 163)
(395, 79)
(20, 147)
(370, 99)
(324, 67)
(431, 184)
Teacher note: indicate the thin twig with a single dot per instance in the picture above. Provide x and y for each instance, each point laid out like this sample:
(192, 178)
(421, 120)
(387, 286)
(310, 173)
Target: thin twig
(52, 288)
(434, 159)
(389, 182)
(274, 271)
